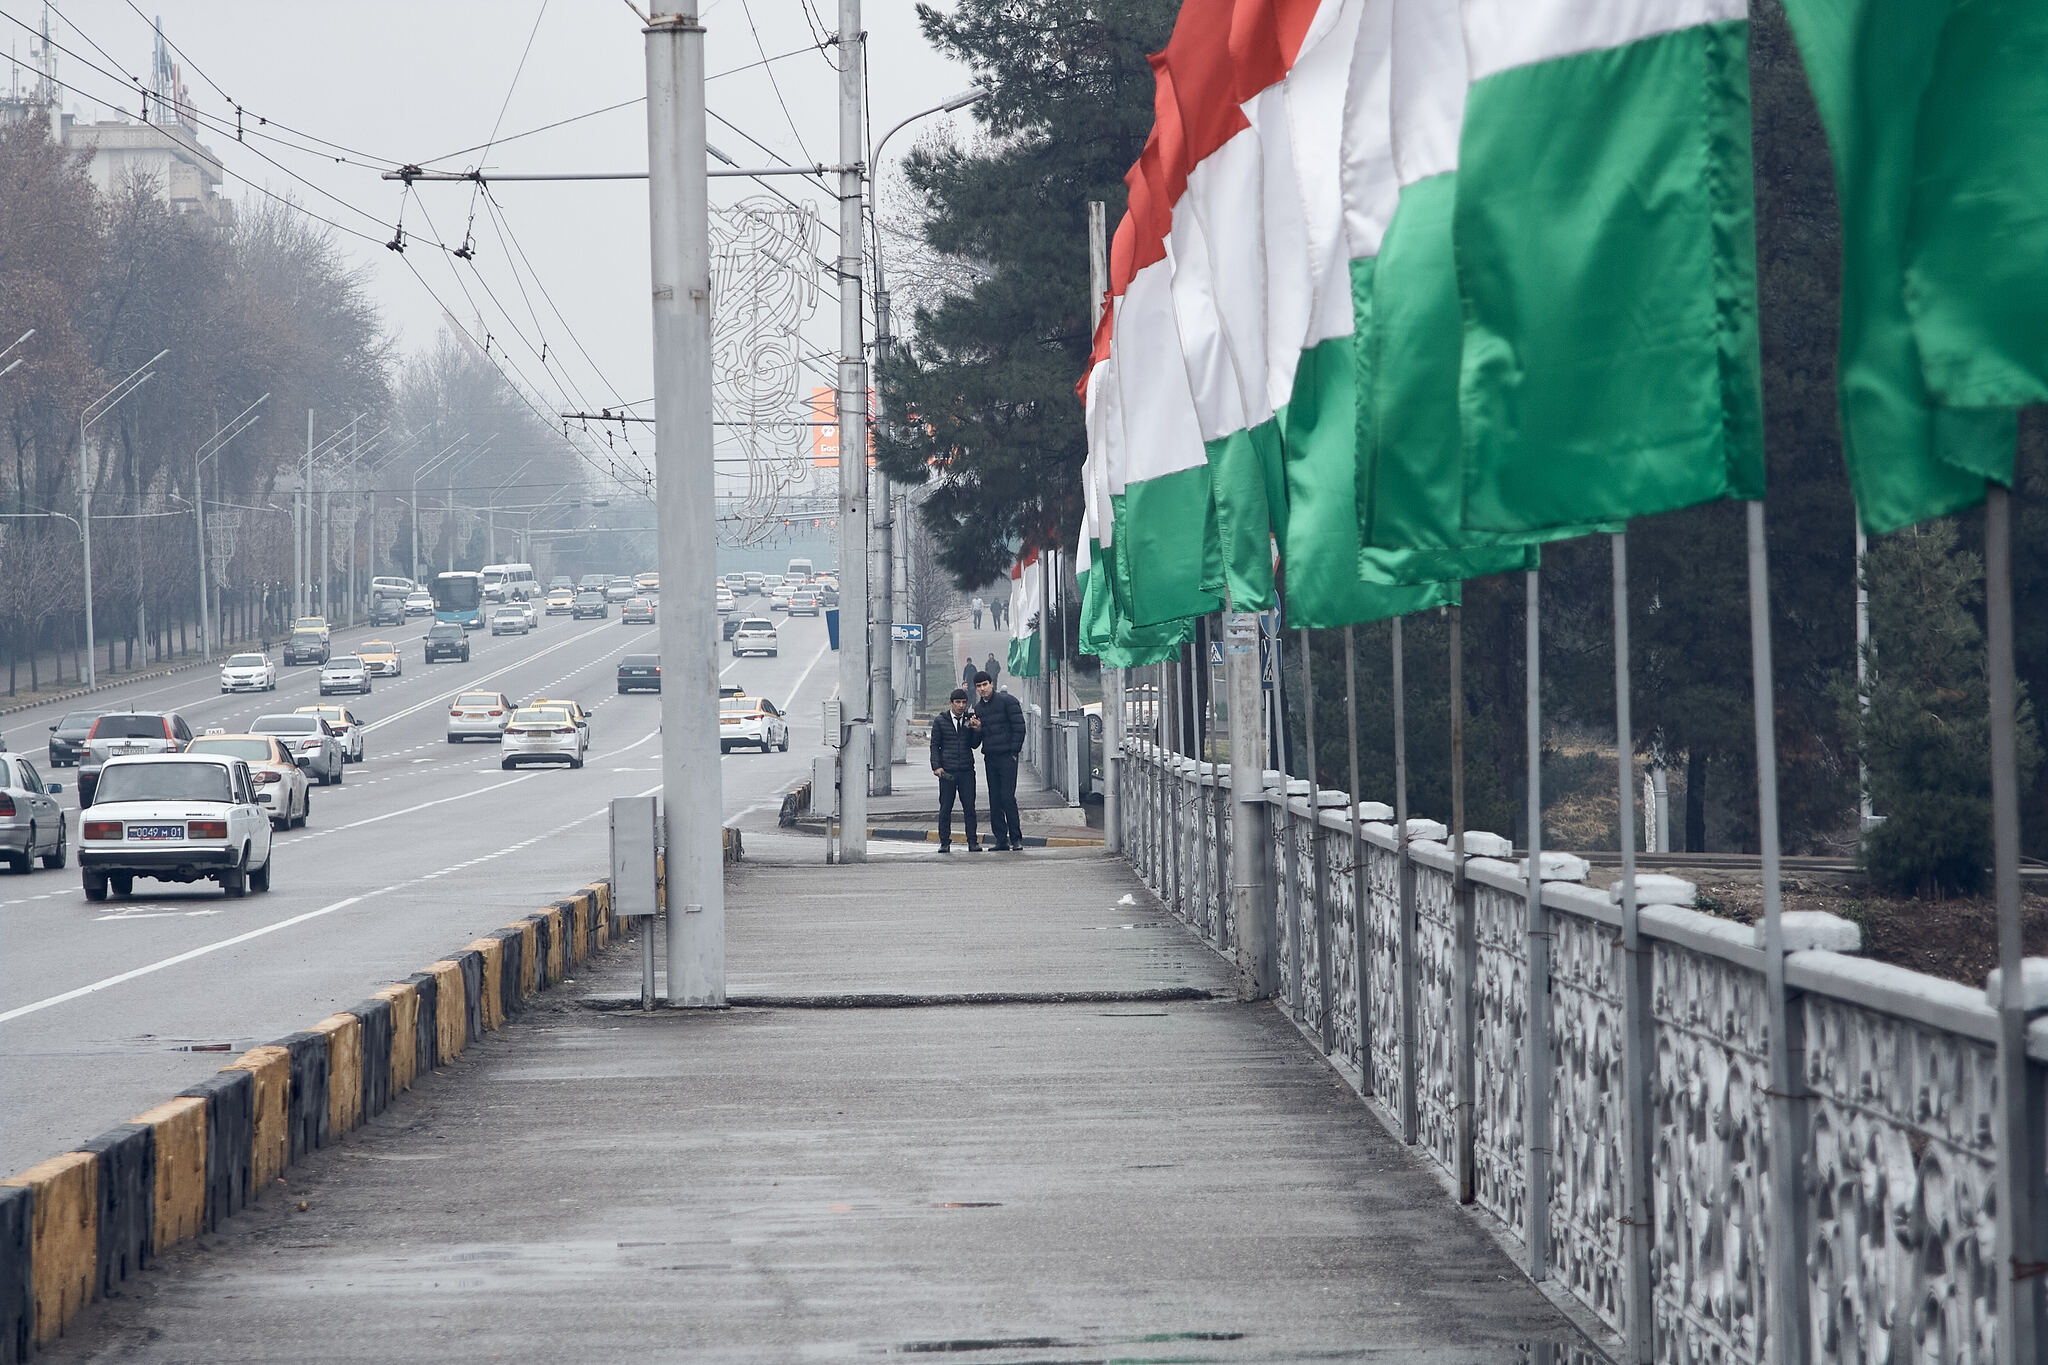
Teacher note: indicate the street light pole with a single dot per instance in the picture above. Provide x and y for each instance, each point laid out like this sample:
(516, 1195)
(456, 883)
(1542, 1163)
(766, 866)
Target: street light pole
(87, 415)
(855, 698)
(679, 243)
(238, 424)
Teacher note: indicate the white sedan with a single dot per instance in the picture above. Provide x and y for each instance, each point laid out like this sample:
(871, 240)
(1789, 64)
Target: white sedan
(177, 818)
(750, 720)
(511, 619)
(344, 673)
(756, 635)
(248, 673)
(282, 787)
(542, 734)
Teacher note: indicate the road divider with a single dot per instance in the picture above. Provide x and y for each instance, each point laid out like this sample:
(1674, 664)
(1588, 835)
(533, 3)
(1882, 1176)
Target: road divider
(75, 1227)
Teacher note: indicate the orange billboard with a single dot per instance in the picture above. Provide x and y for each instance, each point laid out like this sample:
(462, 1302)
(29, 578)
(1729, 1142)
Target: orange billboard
(825, 428)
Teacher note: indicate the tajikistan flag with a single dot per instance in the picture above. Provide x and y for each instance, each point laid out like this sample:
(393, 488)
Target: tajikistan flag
(1027, 600)
(1604, 227)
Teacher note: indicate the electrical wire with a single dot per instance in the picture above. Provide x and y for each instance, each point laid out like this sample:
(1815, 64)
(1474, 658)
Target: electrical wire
(545, 127)
(747, 8)
(499, 122)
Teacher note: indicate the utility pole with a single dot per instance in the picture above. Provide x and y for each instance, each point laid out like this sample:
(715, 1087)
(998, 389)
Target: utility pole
(678, 196)
(326, 550)
(302, 529)
(1048, 583)
(854, 680)
(883, 691)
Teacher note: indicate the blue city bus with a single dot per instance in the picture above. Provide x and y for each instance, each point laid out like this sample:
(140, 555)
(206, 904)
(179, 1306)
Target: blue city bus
(459, 598)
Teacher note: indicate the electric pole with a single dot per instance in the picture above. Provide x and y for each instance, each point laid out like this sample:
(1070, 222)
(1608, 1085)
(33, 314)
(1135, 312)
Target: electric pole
(678, 196)
(855, 696)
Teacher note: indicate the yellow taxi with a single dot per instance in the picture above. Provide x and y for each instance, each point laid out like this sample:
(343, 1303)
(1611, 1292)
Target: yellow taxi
(380, 658)
(647, 582)
(561, 601)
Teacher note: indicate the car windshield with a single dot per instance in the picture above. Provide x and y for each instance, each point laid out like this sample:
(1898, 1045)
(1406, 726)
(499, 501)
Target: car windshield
(162, 782)
(541, 715)
(246, 661)
(445, 632)
(738, 704)
(129, 727)
(377, 647)
(640, 660)
(286, 725)
(479, 699)
(253, 750)
(345, 662)
(768, 626)
(333, 715)
(78, 720)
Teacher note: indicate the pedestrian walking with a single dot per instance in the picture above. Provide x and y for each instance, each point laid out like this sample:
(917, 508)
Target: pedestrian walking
(992, 668)
(1000, 720)
(997, 610)
(976, 607)
(967, 672)
(954, 737)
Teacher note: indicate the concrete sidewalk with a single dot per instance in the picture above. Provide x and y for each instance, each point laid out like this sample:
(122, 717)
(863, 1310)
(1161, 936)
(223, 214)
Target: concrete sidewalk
(1109, 1159)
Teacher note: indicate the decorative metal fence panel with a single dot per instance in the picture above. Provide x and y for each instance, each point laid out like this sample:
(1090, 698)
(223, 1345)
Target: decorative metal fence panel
(1436, 1023)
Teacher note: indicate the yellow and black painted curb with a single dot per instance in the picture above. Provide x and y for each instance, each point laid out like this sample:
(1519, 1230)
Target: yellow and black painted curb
(74, 1227)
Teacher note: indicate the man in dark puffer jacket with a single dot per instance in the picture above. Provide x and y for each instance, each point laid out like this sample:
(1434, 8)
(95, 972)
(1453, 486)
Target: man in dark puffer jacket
(954, 739)
(1000, 720)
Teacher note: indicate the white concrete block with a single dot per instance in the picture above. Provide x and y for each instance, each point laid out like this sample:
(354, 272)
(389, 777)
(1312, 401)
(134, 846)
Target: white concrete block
(1558, 867)
(1419, 828)
(1805, 930)
(1327, 799)
(1375, 810)
(2033, 984)
(1657, 888)
(1481, 843)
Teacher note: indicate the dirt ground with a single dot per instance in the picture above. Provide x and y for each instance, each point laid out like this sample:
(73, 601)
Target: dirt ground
(1956, 940)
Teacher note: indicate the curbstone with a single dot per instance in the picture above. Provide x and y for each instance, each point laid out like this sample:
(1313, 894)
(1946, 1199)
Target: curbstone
(472, 963)
(426, 1022)
(179, 1126)
(528, 977)
(404, 1002)
(17, 1282)
(492, 996)
(63, 1238)
(553, 925)
(306, 1112)
(125, 1158)
(450, 1033)
(344, 1035)
(373, 1017)
(230, 1099)
(270, 1147)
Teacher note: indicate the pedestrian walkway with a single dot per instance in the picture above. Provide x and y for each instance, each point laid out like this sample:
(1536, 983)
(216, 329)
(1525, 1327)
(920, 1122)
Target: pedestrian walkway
(989, 1110)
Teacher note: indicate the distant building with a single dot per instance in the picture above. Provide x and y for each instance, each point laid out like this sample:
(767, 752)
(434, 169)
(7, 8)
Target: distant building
(170, 155)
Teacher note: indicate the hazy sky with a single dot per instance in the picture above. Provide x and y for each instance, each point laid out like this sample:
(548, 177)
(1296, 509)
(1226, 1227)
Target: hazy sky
(423, 80)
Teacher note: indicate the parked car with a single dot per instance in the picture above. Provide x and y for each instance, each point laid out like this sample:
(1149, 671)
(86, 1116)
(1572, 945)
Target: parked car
(542, 734)
(282, 788)
(345, 673)
(118, 734)
(419, 603)
(31, 822)
(306, 647)
(619, 589)
(756, 635)
(478, 715)
(750, 720)
(248, 673)
(639, 673)
(511, 619)
(638, 611)
(380, 657)
(803, 602)
(347, 727)
(647, 582)
(447, 640)
(67, 738)
(311, 742)
(590, 604)
(177, 818)
(561, 601)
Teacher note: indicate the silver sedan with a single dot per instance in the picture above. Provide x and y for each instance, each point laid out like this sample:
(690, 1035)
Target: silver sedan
(31, 821)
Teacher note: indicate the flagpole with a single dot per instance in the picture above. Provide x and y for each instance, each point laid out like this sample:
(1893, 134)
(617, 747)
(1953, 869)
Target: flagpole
(1461, 903)
(1536, 1078)
(1636, 963)
(1308, 711)
(1787, 1268)
(1406, 873)
(1361, 936)
(2019, 1145)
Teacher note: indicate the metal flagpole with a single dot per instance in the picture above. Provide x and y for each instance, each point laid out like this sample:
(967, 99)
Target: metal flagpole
(1636, 1040)
(1536, 1123)
(1361, 922)
(1467, 935)
(1258, 963)
(1308, 711)
(1410, 1118)
(2020, 1140)
(1787, 1270)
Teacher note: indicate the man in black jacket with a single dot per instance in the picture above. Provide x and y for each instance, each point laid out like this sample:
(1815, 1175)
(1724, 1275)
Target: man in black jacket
(954, 739)
(1000, 719)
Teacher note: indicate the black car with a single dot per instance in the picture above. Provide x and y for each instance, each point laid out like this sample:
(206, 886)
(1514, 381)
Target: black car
(388, 611)
(67, 738)
(447, 640)
(731, 626)
(590, 604)
(640, 673)
(305, 647)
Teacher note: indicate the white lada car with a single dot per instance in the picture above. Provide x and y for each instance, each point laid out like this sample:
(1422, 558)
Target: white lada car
(177, 818)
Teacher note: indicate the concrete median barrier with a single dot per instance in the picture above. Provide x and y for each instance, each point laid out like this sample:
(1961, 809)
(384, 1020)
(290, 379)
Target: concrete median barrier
(76, 1226)
(17, 1285)
(373, 1017)
(230, 1099)
(180, 1143)
(63, 1238)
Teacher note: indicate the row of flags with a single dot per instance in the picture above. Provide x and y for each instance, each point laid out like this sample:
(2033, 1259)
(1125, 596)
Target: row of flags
(1407, 288)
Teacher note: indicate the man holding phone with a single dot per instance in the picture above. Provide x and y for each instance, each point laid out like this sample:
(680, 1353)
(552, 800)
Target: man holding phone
(954, 737)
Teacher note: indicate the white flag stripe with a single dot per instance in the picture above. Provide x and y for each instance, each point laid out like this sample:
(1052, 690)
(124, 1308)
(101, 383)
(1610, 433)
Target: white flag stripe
(1502, 34)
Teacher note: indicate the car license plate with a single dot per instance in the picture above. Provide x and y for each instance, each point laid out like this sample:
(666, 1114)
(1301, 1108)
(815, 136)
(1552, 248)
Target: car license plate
(156, 831)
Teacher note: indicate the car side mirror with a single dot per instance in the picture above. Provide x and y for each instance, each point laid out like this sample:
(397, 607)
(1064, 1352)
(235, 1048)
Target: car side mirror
(53, 727)
(54, 788)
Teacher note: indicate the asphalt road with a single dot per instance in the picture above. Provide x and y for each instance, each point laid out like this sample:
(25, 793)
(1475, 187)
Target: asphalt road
(424, 846)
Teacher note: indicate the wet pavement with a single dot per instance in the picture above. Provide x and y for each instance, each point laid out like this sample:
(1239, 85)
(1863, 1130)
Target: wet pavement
(1105, 1158)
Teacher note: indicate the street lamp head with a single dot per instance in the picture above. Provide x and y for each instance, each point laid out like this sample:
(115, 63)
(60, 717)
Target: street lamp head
(965, 98)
